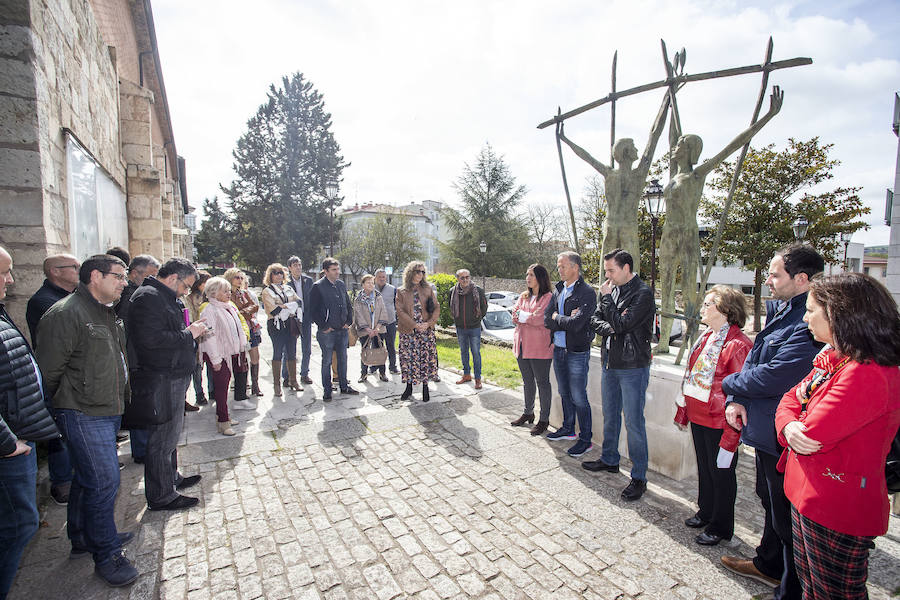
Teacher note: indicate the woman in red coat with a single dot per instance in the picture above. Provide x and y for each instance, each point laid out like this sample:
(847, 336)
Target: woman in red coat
(838, 424)
(719, 352)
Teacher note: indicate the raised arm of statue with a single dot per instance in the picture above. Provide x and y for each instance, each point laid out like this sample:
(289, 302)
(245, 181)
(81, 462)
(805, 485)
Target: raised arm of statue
(775, 102)
(658, 125)
(583, 155)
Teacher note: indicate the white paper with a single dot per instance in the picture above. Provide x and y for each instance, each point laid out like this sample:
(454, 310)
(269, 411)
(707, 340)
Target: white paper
(289, 310)
(723, 460)
(523, 316)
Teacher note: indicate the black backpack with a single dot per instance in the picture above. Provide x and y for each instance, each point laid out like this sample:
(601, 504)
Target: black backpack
(892, 466)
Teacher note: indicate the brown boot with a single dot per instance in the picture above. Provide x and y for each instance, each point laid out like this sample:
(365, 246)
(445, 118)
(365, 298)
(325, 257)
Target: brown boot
(464, 379)
(292, 374)
(254, 380)
(276, 371)
(477, 384)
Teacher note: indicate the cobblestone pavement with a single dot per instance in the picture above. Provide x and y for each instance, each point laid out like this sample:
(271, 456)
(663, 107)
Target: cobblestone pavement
(376, 499)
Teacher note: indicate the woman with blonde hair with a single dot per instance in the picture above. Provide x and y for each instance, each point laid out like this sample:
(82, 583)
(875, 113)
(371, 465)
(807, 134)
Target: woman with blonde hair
(248, 307)
(280, 303)
(192, 302)
(370, 322)
(223, 348)
(417, 313)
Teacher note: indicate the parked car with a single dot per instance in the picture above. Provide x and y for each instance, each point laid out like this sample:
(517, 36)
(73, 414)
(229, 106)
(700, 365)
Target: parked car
(677, 329)
(507, 299)
(497, 323)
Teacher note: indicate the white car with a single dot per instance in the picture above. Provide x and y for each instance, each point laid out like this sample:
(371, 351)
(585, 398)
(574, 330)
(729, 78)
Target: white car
(498, 323)
(507, 299)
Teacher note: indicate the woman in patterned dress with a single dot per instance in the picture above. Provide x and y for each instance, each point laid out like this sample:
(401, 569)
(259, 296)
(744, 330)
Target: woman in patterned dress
(417, 313)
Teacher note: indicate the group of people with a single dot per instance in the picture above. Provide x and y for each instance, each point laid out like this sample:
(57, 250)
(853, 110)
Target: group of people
(816, 395)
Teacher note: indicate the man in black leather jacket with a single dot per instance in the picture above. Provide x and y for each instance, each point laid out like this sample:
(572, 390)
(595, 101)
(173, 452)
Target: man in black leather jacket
(624, 319)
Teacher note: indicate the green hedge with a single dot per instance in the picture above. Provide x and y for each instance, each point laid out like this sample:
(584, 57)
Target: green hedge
(443, 282)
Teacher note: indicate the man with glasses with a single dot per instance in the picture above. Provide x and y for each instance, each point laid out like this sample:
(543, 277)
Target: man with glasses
(61, 272)
(163, 343)
(81, 352)
(468, 304)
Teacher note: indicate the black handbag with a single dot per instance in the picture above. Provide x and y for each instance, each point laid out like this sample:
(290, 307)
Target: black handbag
(151, 400)
(892, 466)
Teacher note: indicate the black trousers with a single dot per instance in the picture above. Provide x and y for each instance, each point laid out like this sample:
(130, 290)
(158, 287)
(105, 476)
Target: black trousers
(775, 553)
(717, 487)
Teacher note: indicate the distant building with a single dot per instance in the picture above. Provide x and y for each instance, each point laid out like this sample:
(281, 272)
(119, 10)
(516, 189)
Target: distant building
(88, 153)
(892, 216)
(876, 267)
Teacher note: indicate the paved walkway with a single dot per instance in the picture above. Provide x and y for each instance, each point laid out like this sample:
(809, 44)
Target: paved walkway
(372, 498)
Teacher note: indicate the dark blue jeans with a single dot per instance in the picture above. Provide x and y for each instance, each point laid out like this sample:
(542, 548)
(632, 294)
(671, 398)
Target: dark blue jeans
(625, 390)
(333, 341)
(571, 369)
(92, 498)
(18, 512)
(470, 340)
(284, 345)
(58, 462)
(390, 340)
(305, 348)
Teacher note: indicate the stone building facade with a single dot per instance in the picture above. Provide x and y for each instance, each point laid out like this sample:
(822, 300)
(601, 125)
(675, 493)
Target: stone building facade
(87, 154)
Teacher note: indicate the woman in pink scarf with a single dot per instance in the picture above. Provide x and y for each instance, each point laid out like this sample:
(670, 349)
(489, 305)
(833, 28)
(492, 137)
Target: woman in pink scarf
(224, 348)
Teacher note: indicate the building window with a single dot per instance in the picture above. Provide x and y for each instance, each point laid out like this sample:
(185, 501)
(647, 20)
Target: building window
(866, 270)
(93, 193)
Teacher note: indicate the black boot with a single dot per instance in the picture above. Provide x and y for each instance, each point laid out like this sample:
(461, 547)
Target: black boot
(407, 392)
(425, 396)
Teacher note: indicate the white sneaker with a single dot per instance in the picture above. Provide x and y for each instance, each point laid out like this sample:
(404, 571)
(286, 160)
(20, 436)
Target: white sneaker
(244, 405)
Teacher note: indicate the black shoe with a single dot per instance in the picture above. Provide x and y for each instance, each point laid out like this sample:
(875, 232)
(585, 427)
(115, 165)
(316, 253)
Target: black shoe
(382, 377)
(350, 391)
(121, 437)
(188, 407)
(426, 395)
(60, 493)
(187, 482)
(286, 382)
(138, 460)
(79, 551)
(407, 393)
(708, 539)
(540, 427)
(695, 522)
(599, 465)
(523, 420)
(121, 466)
(326, 398)
(395, 370)
(179, 503)
(117, 571)
(306, 380)
(635, 490)
(202, 401)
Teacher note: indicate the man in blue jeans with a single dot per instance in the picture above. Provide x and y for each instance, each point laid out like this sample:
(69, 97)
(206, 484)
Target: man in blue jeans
(81, 352)
(468, 304)
(567, 317)
(329, 309)
(24, 419)
(624, 319)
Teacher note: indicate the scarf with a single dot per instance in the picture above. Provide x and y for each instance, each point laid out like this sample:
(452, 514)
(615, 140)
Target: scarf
(369, 301)
(227, 337)
(697, 382)
(464, 291)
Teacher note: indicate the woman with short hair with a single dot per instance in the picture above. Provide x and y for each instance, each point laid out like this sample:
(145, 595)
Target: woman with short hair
(719, 352)
(533, 346)
(249, 308)
(837, 425)
(369, 323)
(223, 348)
(417, 313)
(280, 304)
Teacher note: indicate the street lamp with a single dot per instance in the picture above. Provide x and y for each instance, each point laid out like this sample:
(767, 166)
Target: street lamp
(656, 205)
(800, 227)
(482, 247)
(331, 192)
(845, 239)
(386, 259)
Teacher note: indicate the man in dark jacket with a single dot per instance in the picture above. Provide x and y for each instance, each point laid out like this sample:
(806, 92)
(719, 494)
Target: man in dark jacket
(81, 352)
(61, 272)
(568, 318)
(468, 304)
(302, 285)
(163, 344)
(781, 356)
(624, 319)
(24, 419)
(330, 311)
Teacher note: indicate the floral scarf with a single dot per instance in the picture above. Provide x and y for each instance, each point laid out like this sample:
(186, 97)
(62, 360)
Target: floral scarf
(697, 382)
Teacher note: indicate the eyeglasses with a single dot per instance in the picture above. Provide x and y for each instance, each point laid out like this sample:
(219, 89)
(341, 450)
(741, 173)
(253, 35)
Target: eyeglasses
(420, 272)
(464, 277)
(119, 276)
(708, 304)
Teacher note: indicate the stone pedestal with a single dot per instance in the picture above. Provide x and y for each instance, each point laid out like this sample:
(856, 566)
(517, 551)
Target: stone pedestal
(671, 450)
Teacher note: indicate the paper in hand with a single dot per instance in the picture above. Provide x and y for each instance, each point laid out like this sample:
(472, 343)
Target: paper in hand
(723, 460)
(523, 316)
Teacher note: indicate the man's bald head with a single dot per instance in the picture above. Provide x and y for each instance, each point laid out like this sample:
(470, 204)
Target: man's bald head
(62, 270)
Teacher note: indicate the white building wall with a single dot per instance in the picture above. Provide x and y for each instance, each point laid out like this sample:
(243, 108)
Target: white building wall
(893, 267)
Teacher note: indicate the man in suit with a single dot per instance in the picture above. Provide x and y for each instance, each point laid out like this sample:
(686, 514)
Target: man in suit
(302, 284)
(782, 355)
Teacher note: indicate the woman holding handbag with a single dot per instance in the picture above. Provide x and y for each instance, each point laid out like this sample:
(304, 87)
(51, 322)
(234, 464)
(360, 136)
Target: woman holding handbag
(223, 348)
(417, 313)
(370, 324)
(249, 308)
(280, 303)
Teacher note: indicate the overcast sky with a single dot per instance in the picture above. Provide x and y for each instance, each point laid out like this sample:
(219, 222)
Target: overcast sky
(416, 87)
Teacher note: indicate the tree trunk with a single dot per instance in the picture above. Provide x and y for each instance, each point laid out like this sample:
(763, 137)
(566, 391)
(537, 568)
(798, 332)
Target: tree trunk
(757, 299)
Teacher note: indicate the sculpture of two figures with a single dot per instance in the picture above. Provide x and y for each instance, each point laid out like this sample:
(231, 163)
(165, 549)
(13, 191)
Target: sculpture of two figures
(679, 250)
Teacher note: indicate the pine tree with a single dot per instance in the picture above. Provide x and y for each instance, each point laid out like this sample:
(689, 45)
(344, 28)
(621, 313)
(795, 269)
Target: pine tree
(214, 242)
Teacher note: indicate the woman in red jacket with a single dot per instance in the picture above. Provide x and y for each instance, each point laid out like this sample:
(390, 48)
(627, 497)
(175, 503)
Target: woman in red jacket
(838, 424)
(719, 352)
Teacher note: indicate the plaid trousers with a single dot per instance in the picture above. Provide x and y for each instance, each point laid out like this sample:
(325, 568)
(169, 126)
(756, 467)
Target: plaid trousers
(830, 565)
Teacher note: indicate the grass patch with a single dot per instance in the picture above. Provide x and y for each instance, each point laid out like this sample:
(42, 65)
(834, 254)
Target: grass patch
(498, 365)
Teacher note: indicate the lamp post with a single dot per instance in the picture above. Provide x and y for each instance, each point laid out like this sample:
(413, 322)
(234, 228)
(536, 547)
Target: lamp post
(386, 259)
(845, 239)
(656, 205)
(800, 227)
(331, 191)
(482, 247)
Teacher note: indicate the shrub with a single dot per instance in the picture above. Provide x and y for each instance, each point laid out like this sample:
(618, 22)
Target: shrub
(443, 282)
